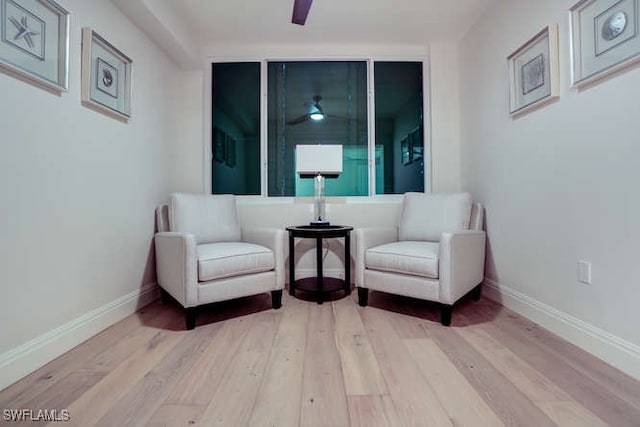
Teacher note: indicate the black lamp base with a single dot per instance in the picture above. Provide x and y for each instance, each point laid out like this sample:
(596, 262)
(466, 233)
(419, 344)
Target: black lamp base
(319, 223)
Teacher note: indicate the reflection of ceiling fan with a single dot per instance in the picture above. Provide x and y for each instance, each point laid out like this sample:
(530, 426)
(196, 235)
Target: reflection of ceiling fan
(316, 113)
(300, 11)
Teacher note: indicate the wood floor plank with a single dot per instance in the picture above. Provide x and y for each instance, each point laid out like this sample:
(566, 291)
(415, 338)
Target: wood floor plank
(324, 400)
(557, 404)
(616, 381)
(408, 327)
(170, 415)
(198, 386)
(359, 366)
(142, 400)
(372, 411)
(532, 383)
(281, 386)
(128, 344)
(505, 400)
(67, 390)
(234, 398)
(582, 389)
(413, 398)
(92, 405)
(459, 399)
(571, 414)
(39, 383)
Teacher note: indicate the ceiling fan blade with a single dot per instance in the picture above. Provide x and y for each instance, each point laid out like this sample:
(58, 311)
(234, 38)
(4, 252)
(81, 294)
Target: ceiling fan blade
(333, 116)
(298, 120)
(300, 11)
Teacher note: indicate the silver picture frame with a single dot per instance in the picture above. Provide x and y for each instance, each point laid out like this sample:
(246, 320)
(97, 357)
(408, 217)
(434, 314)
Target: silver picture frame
(604, 39)
(34, 43)
(534, 72)
(106, 77)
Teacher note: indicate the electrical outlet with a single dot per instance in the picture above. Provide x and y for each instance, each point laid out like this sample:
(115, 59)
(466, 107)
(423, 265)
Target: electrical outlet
(584, 272)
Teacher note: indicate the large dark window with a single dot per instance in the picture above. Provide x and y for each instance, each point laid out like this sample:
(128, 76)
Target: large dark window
(339, 91)
(295, 90)
(235, 136)
(399, 128)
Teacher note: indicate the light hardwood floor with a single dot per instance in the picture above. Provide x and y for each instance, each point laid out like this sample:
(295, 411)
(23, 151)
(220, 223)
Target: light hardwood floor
(336, 364)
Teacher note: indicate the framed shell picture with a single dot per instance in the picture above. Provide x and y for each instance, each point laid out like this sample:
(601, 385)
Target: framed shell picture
(604, 39)
(106, 77)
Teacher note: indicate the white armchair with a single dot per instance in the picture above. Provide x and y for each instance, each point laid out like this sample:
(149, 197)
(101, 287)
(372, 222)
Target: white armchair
(436, 252)
(203, 255)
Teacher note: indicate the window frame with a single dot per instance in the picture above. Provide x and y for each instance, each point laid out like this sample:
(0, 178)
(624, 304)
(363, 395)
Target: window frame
(264, 172)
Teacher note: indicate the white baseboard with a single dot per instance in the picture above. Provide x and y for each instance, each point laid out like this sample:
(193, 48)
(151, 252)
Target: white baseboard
(608, 347)
(26, 358)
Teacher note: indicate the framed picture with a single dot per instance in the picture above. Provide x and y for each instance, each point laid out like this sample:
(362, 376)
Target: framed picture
(34, 44)
(417, 146)
(231, 152)
(106, 77)
(405, 150)
(604, 39)
(219, 145)
(533, 72)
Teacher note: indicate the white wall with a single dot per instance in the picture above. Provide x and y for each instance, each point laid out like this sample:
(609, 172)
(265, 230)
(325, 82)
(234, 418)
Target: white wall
(78, 193)
(445, 116)
(188, 143)
(559, 185)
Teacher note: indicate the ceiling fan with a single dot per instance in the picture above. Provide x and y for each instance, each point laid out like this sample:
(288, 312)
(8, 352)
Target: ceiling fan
(316, 113)
(300, 11)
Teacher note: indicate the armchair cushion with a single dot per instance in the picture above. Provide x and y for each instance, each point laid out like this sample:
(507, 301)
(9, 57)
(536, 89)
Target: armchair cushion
(426, 216)
(226, 259)
(408, 257)
(209, 218)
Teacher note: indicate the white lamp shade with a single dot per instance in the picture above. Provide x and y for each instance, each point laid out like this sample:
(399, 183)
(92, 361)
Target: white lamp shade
(319, 159)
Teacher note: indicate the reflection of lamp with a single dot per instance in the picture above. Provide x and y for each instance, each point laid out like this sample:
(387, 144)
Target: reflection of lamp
(318, 162)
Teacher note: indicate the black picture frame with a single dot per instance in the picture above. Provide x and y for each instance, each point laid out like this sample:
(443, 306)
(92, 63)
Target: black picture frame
(230, 159)
(405, 150)
(417, 144)
(219, 145)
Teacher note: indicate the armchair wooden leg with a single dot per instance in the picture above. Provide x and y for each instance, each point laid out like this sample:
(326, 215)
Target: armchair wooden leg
(165, 298)
(476, 292)
(276, 299)
(445, 314)
(190, 317)
(363, 296)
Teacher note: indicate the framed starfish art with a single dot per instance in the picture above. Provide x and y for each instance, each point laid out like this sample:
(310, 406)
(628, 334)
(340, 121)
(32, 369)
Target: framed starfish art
(106, 77)
(34, 43)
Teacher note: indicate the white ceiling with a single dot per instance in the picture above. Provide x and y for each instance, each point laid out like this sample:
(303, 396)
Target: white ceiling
(194, 24)
(358, 21)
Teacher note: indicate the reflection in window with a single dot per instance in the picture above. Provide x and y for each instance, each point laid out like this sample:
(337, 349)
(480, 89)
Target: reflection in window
(335, 90)
(335, 93)
(235, 145)
(399, 130)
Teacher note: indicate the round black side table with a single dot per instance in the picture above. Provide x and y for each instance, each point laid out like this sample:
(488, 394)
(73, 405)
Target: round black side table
(320, 284)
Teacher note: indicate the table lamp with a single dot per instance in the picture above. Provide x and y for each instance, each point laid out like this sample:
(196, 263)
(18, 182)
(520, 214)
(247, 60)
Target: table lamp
(319, 162)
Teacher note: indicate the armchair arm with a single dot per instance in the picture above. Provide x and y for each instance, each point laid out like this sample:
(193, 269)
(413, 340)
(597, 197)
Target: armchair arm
(368, 238)
(461, 263)
(176, 266)
(272, 238)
